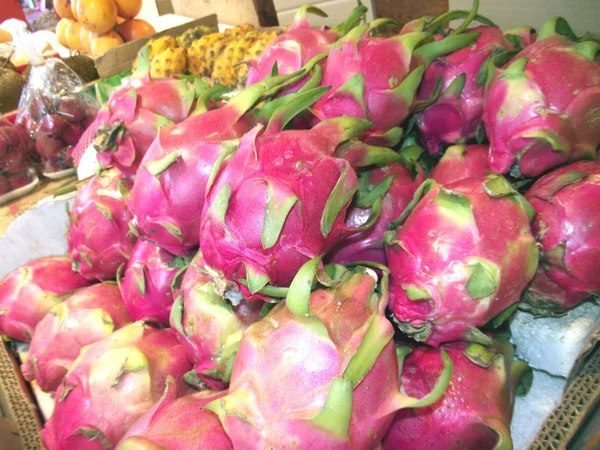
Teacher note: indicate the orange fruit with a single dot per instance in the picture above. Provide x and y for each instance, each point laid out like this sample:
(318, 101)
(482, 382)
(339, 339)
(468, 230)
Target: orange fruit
(128, 9)
(63, 9)
(72, 33)
(100, 16)
(61, 31)
(101, 44)
(135, 29)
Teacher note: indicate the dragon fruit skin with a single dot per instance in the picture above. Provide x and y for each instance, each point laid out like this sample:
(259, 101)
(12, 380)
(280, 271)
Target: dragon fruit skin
(475, 411)
(368, 245)
(99, 236)
(307, 354)
(178, 424)
(111, 384)
(30, 291)
(463, 255)
(168, 194)
(210, 327)
(281, 201)
(299, 44)
(566, 228)
(384, 96)
(536, 120)
(147, 285)
(87, 316)
(460, 162)
(455, 116)
(526, 35)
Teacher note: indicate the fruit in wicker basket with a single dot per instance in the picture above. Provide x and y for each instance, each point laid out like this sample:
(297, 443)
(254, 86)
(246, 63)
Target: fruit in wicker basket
(462, 255)
(225, 70)
(113, 383)
(159, 45)
(87, 316)
(100, 16)
(31, 290)
(99, 236)
(566, 226)
(186, 39)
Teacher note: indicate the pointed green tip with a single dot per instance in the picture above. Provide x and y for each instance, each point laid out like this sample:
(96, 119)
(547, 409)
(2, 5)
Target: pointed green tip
(304, 10)
(143, 62)
(298, 297)
(355, 17)
(556, 25)
(337, 410)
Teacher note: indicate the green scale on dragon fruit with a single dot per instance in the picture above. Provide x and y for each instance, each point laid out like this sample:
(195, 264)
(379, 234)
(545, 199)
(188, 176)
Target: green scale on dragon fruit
(298, 45)
(283, 198)
(211, 325)
(475, 411)
(99, 237)
(111, 385)
(461, 255)
(566, 226)
(542, 108)
(178, 424)
(168, 193)
(148, 281)
(87, 316)
(454, 117)
(30, 291)
(128, 124)
(320, 370)
(385, 96)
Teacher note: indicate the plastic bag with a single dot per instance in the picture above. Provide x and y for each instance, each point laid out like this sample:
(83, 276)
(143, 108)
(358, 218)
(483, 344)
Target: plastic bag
(15, 148)
(55, 109)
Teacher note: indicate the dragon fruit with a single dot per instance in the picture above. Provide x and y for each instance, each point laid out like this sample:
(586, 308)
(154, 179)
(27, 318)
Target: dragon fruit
(320, 370)
(210, 326)
(99, 236)
(281, 201)
(87, 316)
(462, 255)
(30, 291)
(474, 412)
(167, 197)
(460, 162)
(299, 44)
(135, 113)
(455, 116)
(386, 95)
(542, 109)
(147, 285)
(111, 384)
(178, 424)
(566, 228)
(521, 37)
(397, 184)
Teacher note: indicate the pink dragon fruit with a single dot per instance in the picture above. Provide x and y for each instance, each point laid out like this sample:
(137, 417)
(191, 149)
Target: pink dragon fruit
(320, 370)
(30, 291)
(455, 116)
(521, 37)
(566, 226)
(462, 255)
(299, 44)
(281, 201)
(147, 285)
(99, 236)
(112, 384)
(460, 162)
(474, 412)
(136, 112)
(167, 197)
(210, 326)
(533, 118)
(87, 316)
(397, 184)
(178, 424)
(377, 78)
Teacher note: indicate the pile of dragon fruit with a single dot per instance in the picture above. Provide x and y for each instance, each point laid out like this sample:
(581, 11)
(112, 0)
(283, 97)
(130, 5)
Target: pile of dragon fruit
(328, 257)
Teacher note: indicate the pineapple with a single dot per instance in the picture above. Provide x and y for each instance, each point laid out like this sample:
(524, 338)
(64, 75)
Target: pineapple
(255, 50)
(198, 51)
(169, 63)
(189, 36)
(225, 70)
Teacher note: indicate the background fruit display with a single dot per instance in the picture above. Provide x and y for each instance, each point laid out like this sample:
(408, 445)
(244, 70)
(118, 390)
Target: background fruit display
(311, 251)
(96, 26)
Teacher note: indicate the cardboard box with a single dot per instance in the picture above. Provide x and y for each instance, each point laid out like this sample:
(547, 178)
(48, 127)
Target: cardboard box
(121, 58)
